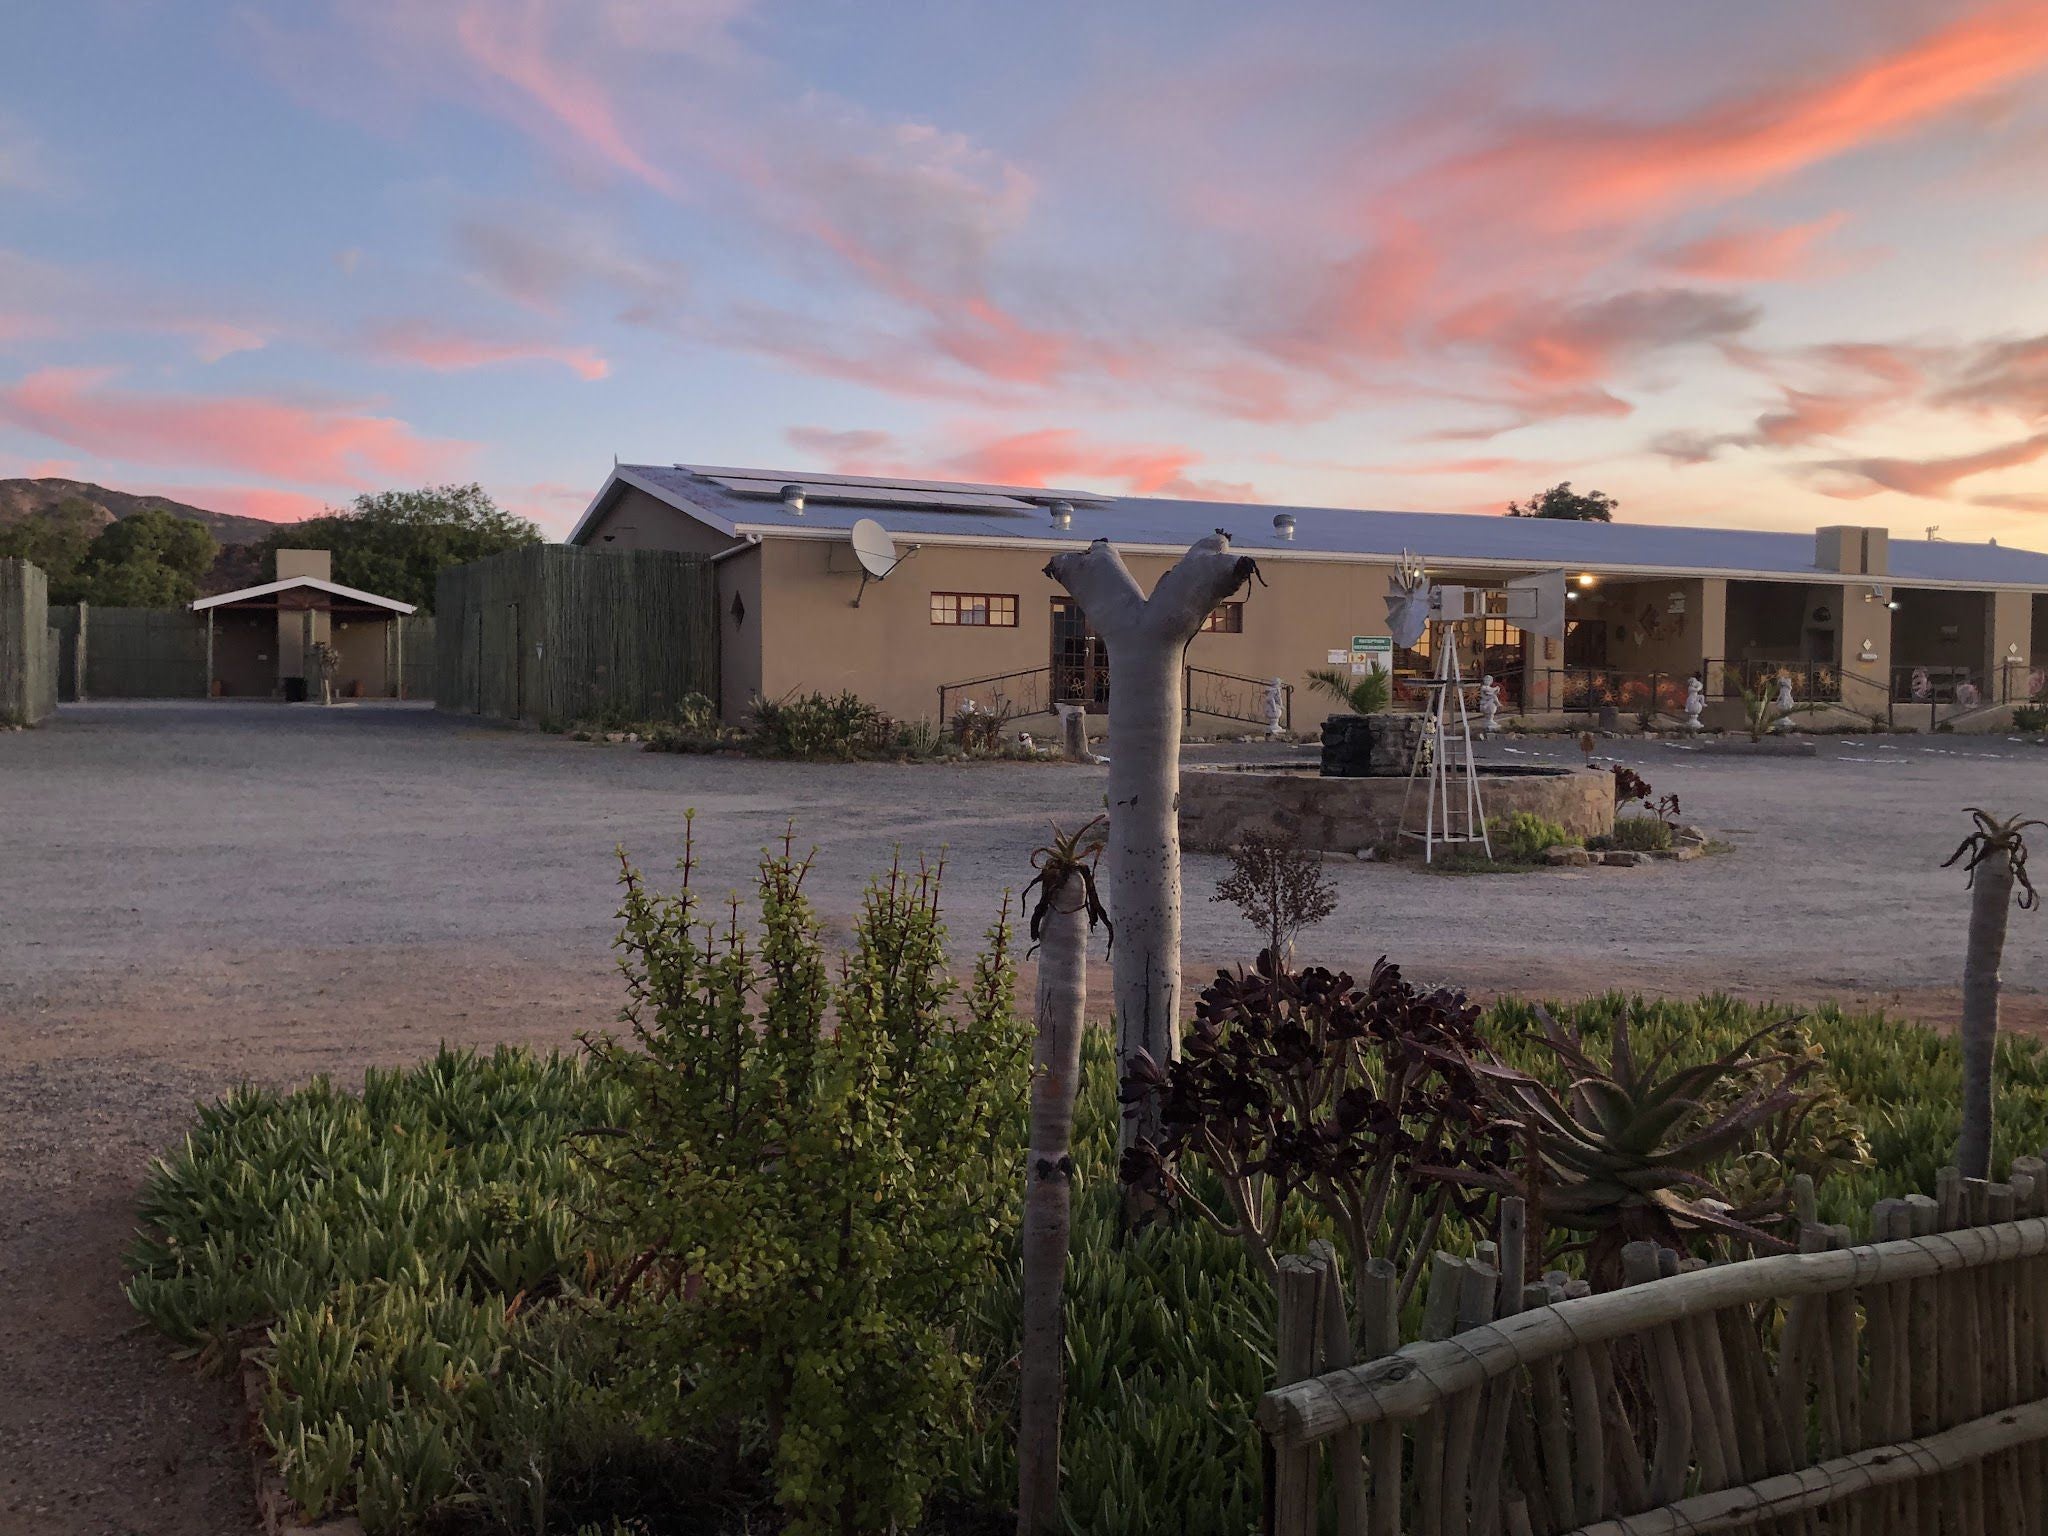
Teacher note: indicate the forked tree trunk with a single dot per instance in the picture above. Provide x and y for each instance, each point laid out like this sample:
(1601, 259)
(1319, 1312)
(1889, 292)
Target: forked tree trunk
(1146, 639)
(1990, 906)
(1048, 1201)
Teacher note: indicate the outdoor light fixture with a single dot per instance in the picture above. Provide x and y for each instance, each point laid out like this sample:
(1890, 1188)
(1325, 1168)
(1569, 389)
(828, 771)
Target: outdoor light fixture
(1585, 578)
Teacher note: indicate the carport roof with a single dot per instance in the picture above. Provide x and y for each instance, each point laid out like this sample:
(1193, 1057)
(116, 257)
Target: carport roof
(743, 502)
(331, 588)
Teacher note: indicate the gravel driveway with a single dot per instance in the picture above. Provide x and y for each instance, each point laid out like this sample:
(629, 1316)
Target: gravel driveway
(191, 893)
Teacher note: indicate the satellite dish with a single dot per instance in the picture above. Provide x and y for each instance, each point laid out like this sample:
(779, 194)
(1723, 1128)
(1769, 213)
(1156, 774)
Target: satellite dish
(874, 549)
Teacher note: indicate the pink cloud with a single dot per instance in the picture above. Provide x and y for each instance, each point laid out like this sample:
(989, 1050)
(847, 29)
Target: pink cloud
(2005, 376)
(427, 345)
(1060, 454)
(1577, 171)
(1932, 478)
(1745, 254)
(307, 445)
(265, 502)
(854, 452)
(513, 44)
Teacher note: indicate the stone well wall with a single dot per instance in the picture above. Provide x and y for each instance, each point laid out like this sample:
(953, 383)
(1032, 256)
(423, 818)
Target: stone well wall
(1219, 805)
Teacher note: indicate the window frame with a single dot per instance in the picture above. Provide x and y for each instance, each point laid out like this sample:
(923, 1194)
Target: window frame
(998, 610)
(1226, 618)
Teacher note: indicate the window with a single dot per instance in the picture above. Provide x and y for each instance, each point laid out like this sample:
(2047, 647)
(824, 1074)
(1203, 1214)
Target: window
(981, 609)
(1224, 619)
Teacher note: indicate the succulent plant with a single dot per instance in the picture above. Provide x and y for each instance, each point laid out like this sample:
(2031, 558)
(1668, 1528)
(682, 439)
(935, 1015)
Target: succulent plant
(1624, 1150)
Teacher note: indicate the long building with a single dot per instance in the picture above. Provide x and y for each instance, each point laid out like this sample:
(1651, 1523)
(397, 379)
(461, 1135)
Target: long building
(966, 612)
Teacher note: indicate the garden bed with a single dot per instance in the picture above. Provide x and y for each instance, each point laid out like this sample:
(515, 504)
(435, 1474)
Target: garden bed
(415, 1268)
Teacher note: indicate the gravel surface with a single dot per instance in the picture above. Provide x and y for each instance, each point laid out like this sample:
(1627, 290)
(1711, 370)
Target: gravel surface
(192, 893)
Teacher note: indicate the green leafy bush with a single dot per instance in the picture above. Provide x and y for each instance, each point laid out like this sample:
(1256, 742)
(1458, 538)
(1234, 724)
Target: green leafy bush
(1522, 837)
(1367, 694)
(824, 1169)
(2030, 717)
(818, 726)
(1645, 834)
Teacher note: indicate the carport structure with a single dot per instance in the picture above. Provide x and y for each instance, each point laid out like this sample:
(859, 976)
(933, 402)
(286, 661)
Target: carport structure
(260, 640)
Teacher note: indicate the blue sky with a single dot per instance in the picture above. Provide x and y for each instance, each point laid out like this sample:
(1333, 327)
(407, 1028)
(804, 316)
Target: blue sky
(1748, 264)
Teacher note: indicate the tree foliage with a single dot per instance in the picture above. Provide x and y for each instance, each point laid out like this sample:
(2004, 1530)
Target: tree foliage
(1566, 504)
(822, 1171)
(152, 559)
(394, 543)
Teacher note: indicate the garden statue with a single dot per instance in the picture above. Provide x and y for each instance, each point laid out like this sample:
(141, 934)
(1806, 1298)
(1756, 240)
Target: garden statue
(1489, 704)
(1967, 696)
(1695, 701)
(1274, 706)
(1785, 704)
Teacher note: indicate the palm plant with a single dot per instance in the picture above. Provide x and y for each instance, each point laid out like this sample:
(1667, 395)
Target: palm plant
(1997, 861)
(1369, 694)
(1621, 1154)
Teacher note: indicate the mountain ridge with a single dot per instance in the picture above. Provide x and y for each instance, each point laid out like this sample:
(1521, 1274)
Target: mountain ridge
(24, 499)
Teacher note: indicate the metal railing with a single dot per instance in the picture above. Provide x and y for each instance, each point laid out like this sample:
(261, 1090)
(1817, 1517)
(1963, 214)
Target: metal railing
(1012, 695)
(1813, 682)
(1037, 690)
(1588, 690)
(1227, 696)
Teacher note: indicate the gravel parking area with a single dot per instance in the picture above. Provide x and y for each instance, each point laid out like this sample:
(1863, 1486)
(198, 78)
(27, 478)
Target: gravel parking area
(193, 893)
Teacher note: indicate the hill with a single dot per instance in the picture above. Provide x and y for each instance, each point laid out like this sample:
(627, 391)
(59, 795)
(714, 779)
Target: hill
(21, 500)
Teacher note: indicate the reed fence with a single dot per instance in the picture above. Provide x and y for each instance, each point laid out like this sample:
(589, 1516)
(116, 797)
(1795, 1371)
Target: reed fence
(1881, 1388)
(28, 666)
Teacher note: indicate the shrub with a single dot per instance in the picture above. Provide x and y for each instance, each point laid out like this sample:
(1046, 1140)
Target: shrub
(1279, 889)
(1361, 1101)
(2030, 717)
(1367, 694)
(827, 1197)
(1645, 834)
(1522, 837)
(820, 726)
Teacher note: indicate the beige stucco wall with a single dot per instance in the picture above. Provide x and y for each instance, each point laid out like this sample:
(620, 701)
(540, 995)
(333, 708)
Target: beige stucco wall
(2008, 643)
(363, 644)
(636, 520)
(888, 650)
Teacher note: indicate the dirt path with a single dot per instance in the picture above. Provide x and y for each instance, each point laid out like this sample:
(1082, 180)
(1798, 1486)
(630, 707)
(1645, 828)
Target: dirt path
(190, 896)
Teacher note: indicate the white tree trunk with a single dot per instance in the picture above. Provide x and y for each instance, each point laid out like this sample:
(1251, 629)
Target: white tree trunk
(1990, 907)
(1146, 639)
(1048, 1197)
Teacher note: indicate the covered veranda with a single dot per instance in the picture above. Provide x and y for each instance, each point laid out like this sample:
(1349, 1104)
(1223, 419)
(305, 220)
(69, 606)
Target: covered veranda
(263, 641)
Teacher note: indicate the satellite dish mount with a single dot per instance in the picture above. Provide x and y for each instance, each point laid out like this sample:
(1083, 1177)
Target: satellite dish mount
(876, 552)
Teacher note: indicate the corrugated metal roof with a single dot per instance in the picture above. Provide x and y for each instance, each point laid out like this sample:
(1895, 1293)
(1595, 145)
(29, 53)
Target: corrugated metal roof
(1442, 537)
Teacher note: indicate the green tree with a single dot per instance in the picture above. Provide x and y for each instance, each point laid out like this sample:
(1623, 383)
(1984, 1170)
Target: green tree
(57, 542)
(395, 543)
(1566, 504)
(150, 560)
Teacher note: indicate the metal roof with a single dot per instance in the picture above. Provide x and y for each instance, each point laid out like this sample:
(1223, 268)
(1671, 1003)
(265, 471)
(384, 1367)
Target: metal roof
(331, 588)
(1448, 538)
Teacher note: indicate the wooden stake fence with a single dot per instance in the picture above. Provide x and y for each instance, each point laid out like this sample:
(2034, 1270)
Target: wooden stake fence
(1889, 1388)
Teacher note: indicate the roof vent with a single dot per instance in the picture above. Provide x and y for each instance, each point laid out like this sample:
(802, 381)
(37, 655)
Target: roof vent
(1283, 525)
(1063, 514)
(793, 498)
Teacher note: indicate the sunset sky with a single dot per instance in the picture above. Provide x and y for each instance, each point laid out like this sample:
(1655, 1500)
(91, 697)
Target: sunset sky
(1742, 263)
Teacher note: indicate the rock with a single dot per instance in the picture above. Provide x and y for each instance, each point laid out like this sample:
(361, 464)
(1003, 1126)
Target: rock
(1564, 857)
(1367, 855)
(1625, 858)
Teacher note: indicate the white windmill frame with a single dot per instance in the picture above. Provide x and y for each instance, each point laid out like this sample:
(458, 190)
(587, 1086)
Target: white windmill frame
(1454, 811)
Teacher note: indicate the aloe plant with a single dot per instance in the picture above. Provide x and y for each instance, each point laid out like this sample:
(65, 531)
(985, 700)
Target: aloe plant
(1622, 1153)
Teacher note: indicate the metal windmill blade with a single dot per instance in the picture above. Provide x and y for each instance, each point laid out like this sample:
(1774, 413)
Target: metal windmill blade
(1408, 611)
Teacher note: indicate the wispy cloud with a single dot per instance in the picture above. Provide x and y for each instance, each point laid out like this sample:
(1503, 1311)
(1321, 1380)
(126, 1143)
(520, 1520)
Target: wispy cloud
(425, 344)
(295, 443)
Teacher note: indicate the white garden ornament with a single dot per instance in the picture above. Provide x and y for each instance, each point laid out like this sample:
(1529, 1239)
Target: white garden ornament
(1489, 704)
(1695, 702)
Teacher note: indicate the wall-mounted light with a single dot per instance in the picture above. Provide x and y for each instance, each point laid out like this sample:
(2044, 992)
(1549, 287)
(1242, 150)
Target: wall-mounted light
(1586, 578)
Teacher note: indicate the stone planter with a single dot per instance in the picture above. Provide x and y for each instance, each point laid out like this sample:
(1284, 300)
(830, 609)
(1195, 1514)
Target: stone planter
(1218, 806)
(1370, 746)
